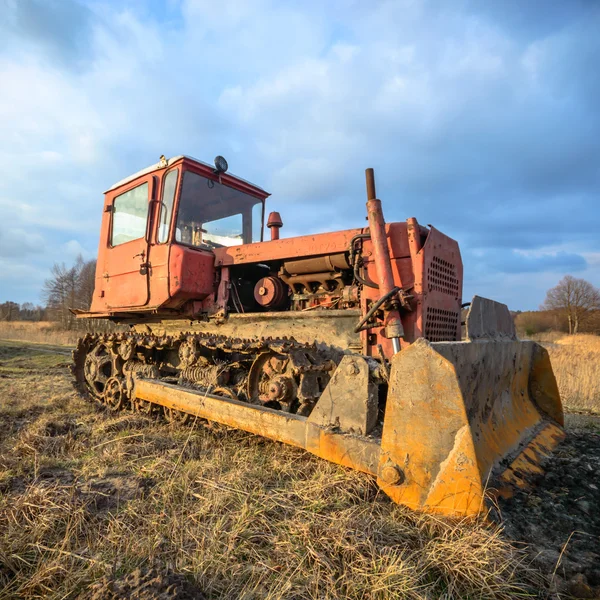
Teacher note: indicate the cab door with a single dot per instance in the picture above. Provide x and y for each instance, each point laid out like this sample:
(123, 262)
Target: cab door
(127, 268)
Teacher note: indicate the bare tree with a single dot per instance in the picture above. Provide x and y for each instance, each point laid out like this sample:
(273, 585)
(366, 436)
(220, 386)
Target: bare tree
(60, 292)
(576, 299)
(69, 287)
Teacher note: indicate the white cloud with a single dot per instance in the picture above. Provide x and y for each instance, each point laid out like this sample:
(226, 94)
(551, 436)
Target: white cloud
(479, 128)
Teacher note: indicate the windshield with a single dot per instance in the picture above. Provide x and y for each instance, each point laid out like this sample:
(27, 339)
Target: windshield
(215, 215)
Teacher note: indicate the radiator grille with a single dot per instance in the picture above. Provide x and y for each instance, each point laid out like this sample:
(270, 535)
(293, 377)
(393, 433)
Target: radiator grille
(441, 276)
(441, 325)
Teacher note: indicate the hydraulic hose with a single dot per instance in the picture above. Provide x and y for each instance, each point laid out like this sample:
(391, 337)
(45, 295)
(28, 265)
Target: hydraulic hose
(360, 278)
(356, 262)
(374, 308)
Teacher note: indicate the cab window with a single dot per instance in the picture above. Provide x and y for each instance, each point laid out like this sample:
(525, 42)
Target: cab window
(257, 222)
(130, 213)
(214, 215)
(226, 232)
(166, 208)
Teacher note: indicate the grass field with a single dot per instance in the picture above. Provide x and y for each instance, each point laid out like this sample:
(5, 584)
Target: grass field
(88, 497)
(97, 505)
(576, 363)
(40, 332)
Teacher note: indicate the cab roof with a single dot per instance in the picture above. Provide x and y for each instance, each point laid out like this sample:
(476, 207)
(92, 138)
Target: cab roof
(172, 161)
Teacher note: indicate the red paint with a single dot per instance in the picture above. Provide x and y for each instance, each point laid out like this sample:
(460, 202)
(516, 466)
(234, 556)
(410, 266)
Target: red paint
(274, 224)
(191, 274)
(385, 277)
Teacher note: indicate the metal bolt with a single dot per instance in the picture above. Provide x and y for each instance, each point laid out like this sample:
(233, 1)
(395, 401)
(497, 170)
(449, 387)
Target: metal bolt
(274, 390)
(391, 475)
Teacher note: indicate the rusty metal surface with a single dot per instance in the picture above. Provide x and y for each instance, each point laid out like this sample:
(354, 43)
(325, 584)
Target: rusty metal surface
(286, 428)
(350, 402)
(285, 249)
(370, 179)
(414, 236)
(334, 328)
(190, 275)
(457, 414)
(319, 264)
(351, 451)
(394, 329)
(270, 292)
(280, 373)
(489, 319)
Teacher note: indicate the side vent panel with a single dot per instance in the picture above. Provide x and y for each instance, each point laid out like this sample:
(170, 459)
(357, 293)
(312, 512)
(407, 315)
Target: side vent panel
(441, 275)
(441, 325)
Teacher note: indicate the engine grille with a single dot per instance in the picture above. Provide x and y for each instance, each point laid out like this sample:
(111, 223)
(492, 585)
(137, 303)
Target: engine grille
(441, 276)
(441, 325)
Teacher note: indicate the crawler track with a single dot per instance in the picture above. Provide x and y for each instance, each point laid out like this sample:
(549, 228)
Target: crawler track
(279, 373)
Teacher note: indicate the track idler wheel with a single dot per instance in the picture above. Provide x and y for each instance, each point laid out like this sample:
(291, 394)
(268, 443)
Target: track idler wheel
(143, 407)
(176, 416)
(101, 364)
(115, 396)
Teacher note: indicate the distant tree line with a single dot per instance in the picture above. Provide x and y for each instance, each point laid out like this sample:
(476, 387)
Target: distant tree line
(12, 311)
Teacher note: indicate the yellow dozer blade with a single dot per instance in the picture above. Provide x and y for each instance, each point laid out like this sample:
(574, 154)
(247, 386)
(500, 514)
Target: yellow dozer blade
(463, 421)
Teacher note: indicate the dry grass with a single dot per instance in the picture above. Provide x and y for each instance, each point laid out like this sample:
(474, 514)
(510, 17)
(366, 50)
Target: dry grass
(41, 332)
(576, 363)
(547, 337)
(86, 494)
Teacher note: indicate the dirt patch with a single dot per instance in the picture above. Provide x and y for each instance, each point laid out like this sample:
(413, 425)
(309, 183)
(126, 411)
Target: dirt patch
(559, 518)
(150, 584)
(114, 490)
(13, 421)
(56, 427)
(56, 475)
(123, 423)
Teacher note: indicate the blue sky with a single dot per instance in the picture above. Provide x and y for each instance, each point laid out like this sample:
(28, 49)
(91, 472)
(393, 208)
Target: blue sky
(481, 118)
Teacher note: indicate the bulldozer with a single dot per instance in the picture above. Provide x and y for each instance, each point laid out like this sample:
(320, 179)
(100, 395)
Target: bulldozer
(353, 345)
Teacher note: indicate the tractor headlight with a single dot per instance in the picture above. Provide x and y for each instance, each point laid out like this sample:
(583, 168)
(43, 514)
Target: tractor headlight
(221, 165)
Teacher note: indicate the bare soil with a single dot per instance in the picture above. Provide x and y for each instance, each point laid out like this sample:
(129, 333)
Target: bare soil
(148, 584)
(559, 519)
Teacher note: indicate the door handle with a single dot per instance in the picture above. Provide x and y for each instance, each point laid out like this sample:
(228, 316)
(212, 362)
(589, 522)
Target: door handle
(144, 266)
